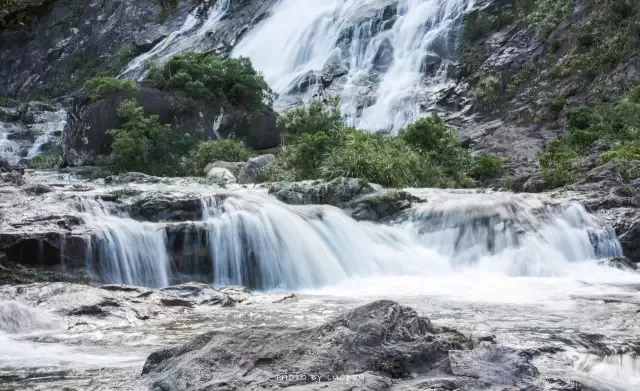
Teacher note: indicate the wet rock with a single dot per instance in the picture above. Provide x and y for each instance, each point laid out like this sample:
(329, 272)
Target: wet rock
(621, 263)
(249, 172)
(15, 274)
(334, 192)
(37, 189)
(382, 205)
(370, 346)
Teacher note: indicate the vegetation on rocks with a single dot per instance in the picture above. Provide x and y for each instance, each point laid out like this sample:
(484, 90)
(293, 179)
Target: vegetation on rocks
(212, 151)
(608, 131)
(102, 86)
(207, 77)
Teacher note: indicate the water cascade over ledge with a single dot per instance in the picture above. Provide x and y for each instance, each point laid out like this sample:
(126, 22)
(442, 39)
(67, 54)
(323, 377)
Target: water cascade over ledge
(254, 240)
(383, 57)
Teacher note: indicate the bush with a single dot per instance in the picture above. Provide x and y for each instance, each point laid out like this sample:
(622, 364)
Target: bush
(488, 92)
(213, 151)
(315, 116)
(487, 167)
(624, 152)
(555, 162)
(103, 86)
(43, 162)
(307, 154)
(373, 157)
(207, 77)
(431, 136)
(142, 144)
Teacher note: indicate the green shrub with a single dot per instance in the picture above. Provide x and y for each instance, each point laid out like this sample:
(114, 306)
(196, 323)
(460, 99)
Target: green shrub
(43, 162)
(103, 86)
(315, 116)
(547, 14)
(624, 152)
(207, 77)
(487, 166)
(488, 92)
(555, 162)
(431, 136)
(213, 151)
(142, 144)
(377, 158)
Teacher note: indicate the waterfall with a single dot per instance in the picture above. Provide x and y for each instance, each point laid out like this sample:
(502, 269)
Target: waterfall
(252, 239)
(48, 126)
(126, 251)
(387, 54)
(8, 148)
(382, 56)
(259, 242)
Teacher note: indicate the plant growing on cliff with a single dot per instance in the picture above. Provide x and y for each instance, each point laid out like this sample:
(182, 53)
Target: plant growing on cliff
(102, 86)
(145, 145)
(487, 166)
(206, 77)
(488, 92)
(315, 116)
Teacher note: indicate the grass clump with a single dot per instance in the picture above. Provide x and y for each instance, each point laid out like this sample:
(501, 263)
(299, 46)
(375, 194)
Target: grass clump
(488, 92)
(487, 167)
(43, 162)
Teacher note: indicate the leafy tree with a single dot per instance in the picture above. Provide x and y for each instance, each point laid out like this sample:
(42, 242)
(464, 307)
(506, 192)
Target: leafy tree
(315, 116)
(487, 166)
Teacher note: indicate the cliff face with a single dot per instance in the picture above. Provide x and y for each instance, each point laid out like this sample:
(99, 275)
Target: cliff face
(513, 67)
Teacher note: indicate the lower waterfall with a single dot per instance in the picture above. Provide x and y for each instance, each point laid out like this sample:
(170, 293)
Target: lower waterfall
(257, 241)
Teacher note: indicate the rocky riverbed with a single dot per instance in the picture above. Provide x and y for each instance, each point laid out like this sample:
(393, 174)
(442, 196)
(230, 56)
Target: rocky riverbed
(376, 289)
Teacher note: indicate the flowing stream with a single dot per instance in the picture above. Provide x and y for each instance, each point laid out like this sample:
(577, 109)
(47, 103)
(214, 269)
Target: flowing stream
(513, 265)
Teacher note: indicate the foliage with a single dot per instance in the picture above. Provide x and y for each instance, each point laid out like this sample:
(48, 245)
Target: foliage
(488, 92)
(143, 144)
(545, 15)
(103, 86)
(487, 166)
(315, 116)
(624, 152)
(432, 137)
(6, 6)
(479, 24)
(207, 77)
(43, 162)
(555, 162)
(213, 151)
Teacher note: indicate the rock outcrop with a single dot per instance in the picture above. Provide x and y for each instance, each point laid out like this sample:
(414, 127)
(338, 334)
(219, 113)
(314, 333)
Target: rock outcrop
(379, 346)
(85, 137)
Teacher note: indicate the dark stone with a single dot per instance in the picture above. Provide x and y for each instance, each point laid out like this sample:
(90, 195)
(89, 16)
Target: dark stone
(85, 136)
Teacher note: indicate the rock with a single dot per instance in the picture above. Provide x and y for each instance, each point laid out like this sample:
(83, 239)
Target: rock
(234, 167)
(373, 346)
(382, 205)
(37, 189)
(85, 137)
(249, 172)
(335, 192)
(622, 263)
(221, 174)
(4, 165)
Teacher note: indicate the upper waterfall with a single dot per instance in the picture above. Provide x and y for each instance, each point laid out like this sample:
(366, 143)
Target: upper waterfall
(381, 56)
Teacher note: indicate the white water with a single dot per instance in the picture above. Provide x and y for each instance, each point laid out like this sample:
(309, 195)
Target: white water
(257, 241)
(8, 148)
(302, 37)
(125, 250)
(48, 126)
(392, 53)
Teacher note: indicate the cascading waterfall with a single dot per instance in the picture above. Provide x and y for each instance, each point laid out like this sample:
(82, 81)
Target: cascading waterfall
(49, 126)
(255, 240)
(9, 149)
(382, 56)
(262, 243)
(127, 251)
(390, 53)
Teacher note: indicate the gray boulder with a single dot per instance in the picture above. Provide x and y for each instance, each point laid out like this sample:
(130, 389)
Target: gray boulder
(378, 346)
(250, 171)
(234, 167)
(221, 174)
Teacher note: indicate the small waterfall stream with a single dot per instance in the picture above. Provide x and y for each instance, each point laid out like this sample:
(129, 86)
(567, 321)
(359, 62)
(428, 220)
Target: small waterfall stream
(254, 240)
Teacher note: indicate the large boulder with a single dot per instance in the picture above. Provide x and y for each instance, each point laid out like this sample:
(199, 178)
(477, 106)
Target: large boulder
(374, 347)
(249, 172)
(85, 136)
